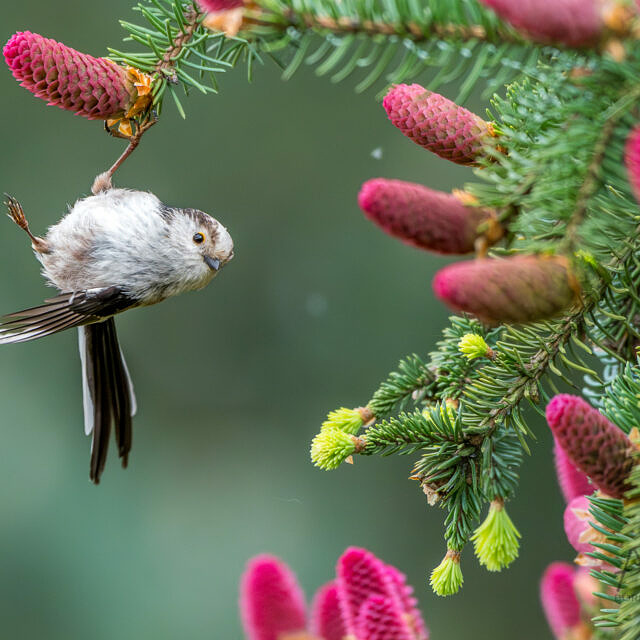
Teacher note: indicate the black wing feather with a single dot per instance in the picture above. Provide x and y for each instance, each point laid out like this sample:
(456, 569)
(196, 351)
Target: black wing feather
(72, 309)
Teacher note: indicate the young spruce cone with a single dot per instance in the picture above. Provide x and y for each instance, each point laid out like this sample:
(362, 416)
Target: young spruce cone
(514, 289)
(632, 161)
(95, 88)
(326, 615)
(560, 602)
(576, 23)
(376, 602)
(219, 5)
(596, 447)
(271, 600)
(437, 124)
(572, 482)
(422, 217)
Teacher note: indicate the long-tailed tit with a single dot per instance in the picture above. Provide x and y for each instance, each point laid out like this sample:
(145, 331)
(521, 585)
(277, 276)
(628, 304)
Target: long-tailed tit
(114, 251)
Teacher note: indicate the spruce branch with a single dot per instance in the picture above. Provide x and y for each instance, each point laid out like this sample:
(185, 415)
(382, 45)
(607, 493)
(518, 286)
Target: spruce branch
(556, 180)
(370, 20)
(413, 376)
(457, 38)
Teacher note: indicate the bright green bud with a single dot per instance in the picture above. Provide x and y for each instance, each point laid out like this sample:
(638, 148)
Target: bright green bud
(348, 420)
(474, 346)
(447, 578)
(495, 541)
(331, 447)
(447, 408)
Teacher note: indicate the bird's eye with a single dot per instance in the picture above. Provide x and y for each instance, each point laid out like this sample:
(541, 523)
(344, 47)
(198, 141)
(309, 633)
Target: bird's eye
(198, 238)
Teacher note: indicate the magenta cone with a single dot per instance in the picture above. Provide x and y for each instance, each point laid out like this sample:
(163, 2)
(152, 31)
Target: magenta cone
(95, 88)
(632, 161)
(420, 216)
(559, 600)
(597, 447)
(219, 5)
(575, 23)
(271, 601)
(573, 483)
(514, 289)
(437, 124)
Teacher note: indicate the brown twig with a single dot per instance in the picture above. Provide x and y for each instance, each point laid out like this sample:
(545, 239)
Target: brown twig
(167, 63)
(164, 68)
(102, 181)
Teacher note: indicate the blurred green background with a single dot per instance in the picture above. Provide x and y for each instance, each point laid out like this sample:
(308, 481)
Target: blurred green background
(232, 382)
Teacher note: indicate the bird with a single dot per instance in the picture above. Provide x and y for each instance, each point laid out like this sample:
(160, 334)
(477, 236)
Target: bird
(113, 251)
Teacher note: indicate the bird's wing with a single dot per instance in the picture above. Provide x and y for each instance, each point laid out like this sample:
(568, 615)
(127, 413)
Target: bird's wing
(67, 310)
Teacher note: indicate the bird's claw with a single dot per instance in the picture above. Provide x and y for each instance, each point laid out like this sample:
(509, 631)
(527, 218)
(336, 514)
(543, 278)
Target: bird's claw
(16, 212)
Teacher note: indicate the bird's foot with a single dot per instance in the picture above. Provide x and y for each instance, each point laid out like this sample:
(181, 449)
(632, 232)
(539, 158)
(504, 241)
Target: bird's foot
(16, 213)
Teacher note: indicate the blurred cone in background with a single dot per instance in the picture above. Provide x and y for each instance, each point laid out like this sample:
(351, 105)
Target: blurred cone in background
(424, 218)
(513, 289)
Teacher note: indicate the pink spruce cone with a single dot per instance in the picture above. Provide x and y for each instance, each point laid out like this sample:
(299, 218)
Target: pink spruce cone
(219, 5)
(572, 482)
(514, 289)
(421, 217)
(379, 619)
(271, 601)
(576, 23)
(559, 601)
(95, 88)
(632, 161)
(360, 575)
(326, 617)
(409, 603)
(585, 587)
(582, 536)
(576, 524)
(368, 601)
(437, 124)
(596, 446)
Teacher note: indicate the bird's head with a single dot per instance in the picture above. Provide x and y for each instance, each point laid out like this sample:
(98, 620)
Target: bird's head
(204, 243)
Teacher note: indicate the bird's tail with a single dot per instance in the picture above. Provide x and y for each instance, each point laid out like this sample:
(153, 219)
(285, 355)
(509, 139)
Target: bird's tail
(107, 393)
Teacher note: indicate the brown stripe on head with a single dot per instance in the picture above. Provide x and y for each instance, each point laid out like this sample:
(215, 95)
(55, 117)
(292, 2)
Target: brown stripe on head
(203, 219)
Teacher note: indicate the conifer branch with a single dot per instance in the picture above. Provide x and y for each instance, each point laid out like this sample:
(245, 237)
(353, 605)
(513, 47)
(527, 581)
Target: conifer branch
(417, 31)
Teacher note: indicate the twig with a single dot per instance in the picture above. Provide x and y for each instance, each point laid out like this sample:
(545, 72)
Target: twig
(164, 67)
(102, 181)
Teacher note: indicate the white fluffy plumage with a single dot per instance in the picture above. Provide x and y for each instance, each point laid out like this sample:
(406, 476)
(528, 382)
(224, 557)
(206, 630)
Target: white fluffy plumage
(130, 239)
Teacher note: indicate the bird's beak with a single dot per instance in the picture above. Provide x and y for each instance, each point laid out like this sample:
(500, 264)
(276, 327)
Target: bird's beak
(213, 263)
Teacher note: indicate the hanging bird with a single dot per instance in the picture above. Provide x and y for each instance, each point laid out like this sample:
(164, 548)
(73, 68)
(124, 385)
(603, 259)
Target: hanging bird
(114, 251)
